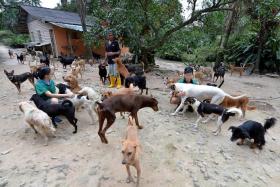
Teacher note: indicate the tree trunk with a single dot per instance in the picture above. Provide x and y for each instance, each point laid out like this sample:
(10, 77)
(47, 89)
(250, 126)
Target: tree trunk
(82, 12)
(262, 37)
(148, 58)
(230, 21)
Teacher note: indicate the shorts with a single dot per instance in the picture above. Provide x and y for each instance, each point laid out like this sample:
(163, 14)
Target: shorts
(113, 70)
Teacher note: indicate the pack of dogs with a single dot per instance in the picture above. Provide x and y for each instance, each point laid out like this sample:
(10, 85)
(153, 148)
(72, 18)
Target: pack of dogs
(205, 100)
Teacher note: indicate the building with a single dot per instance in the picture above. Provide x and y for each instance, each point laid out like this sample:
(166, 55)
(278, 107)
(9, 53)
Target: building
(54, 31)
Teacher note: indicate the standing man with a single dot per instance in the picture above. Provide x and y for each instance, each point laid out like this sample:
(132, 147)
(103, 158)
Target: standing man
(112, 51)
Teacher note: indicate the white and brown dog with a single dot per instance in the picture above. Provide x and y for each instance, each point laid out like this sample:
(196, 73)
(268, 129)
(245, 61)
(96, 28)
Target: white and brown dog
(203, 109)
(201, 93)
(38, 120)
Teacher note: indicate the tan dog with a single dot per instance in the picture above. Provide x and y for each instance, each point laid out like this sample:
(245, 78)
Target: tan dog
(121, 67)
(76, 70)
(131, 150)
(72, 83)
(199, 76)
(173, 79)
(38, 120)
(81, 63)
(233, 68)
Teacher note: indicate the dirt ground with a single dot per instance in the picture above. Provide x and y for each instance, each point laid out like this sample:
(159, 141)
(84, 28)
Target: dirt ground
(174, 153)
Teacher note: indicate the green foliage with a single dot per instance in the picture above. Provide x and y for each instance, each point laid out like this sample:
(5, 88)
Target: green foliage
(70, 6)
(14, 40)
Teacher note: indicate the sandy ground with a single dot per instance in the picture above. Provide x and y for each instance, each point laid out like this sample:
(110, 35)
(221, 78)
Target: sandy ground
(173, 152)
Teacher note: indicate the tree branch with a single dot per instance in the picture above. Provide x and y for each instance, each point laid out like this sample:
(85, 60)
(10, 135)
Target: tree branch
(194, 16)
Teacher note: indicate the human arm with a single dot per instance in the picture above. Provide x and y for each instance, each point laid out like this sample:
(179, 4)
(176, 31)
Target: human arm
(55, 95)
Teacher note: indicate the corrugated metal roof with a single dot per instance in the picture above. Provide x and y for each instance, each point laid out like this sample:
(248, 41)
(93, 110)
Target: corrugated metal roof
(68, 26)
(55, 16)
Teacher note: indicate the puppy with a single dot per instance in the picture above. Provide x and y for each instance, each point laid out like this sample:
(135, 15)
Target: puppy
(38, 120)
(66, 109)
(233, 68)
(131, 150)
(203, 109)
(76, 70)
(72, 83)
(18, 79)
(139, 81)
(102, 71)
(252, 130)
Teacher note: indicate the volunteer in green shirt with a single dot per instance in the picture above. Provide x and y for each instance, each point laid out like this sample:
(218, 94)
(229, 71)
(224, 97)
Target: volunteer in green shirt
(45, 87)
(188, 79)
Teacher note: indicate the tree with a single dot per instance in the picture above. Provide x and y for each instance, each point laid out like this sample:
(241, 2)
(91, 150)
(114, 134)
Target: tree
(146, 24)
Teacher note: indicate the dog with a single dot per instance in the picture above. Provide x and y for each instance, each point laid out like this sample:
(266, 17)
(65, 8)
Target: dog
(66, 61)
(233, 68)
(219, 72)
(18, 79)
(174, 79)
(102, 71)
(76, 70)
(203, 109)
(139, 81)
(252, 130)
(131, 150)
(66, 109)
(90, 93)
(38, 120)
(205, 70)
(203, 92)
(199, 76)
(72, 83)
(81, 63)
(121, 67)
(20, 58)
(122, 103)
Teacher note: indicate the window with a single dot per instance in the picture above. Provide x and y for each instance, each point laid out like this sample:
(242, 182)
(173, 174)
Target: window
(32, 37)
(39, 36)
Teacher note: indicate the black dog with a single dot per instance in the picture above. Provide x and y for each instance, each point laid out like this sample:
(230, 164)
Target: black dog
(18, 79)
(66, 61)
(66, 108)
(102, 73)
(20, 58)
(219, 72)
(139, 81)
(252, 130)
(136, 69)
(45, 59)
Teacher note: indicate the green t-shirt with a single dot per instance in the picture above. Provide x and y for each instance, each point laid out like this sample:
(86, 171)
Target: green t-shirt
(193, 81)
(42, 87)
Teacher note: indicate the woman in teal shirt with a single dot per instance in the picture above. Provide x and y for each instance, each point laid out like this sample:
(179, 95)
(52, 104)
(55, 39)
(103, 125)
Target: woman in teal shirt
(45, 87)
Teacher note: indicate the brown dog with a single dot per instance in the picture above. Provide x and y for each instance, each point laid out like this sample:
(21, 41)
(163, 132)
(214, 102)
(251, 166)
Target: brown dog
(81, 63)
(199, 76)
(121, 67)
(131, 150)
(236, 69)
(72, 83)
(241, 102)
(122, 103)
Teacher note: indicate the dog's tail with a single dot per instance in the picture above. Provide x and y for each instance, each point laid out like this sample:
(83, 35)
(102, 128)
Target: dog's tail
(67, 103)
(221, 83)
(269, 123)
(232, 111)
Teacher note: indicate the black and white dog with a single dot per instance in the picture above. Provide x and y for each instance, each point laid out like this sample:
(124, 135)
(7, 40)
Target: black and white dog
(139, 81)
(203, 109)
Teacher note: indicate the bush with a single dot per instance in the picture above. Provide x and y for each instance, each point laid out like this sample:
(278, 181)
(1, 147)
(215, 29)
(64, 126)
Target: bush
(13, 40)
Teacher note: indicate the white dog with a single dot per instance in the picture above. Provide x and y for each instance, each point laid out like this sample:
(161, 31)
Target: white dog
(201, 92)
(38, 120)
(91, 93)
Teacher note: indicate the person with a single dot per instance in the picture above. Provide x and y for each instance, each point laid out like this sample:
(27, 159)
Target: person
(45, 87)
(187, 79)
(112, 49)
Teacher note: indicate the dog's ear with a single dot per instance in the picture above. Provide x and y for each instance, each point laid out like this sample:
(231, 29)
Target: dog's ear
(232, 128)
